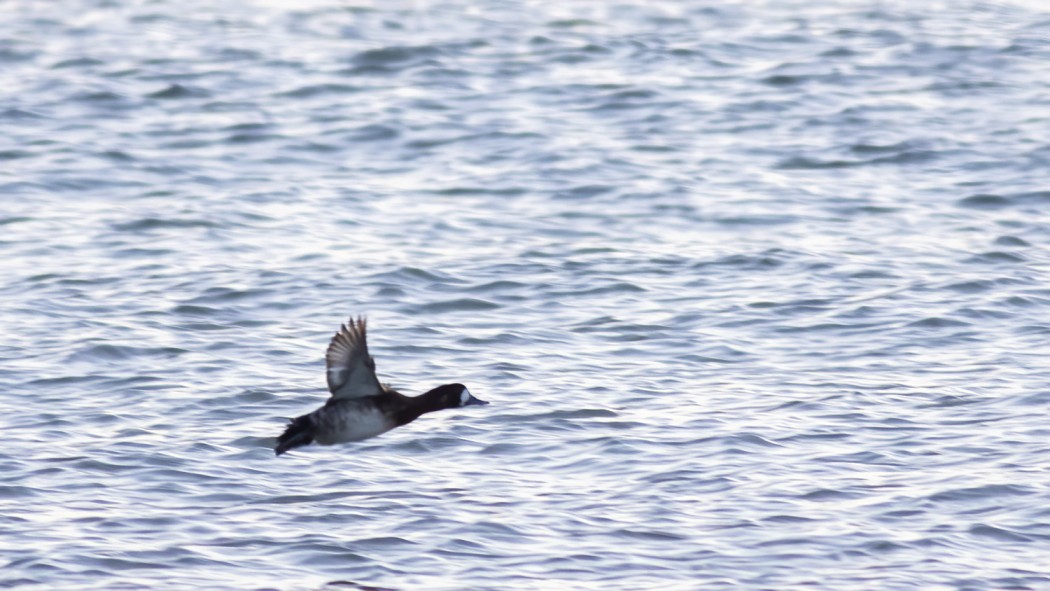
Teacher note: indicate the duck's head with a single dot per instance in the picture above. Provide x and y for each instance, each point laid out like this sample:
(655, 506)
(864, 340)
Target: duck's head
(455, 396)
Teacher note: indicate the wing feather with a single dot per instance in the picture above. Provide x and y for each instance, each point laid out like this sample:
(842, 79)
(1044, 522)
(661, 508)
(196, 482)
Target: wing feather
(351, 371)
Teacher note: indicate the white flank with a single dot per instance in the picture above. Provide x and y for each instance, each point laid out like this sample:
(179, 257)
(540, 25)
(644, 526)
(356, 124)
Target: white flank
(340, 425)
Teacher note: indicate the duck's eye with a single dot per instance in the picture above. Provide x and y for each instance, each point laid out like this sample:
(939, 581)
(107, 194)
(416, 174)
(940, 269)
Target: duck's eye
(464, 397)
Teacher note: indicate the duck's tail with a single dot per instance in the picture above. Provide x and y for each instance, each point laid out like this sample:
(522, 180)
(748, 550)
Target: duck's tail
(300, 432)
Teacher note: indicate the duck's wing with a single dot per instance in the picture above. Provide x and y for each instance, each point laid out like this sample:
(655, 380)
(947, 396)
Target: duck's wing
(351, 370)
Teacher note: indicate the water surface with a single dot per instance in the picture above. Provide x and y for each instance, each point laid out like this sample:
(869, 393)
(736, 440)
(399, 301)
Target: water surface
(758, 291)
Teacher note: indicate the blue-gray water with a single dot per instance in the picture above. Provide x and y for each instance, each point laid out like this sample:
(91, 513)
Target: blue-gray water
(759, 292)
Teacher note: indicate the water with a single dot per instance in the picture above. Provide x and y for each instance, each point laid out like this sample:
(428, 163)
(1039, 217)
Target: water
(758, 292)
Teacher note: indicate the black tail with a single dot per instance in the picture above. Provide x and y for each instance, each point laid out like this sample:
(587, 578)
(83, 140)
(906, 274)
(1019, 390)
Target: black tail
(300, 432)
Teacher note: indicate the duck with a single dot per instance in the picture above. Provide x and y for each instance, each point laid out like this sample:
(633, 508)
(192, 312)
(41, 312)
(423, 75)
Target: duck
(359, 406)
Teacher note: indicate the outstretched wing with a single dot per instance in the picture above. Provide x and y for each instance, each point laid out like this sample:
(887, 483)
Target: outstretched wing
(351, 370)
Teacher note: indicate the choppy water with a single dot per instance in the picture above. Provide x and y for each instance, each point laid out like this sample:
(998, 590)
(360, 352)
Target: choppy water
(759, 292)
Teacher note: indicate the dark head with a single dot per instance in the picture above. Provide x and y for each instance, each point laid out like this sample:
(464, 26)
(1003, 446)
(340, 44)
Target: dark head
(454, 396)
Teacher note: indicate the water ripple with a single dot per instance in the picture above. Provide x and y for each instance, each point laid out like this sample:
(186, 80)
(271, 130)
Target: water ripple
(755, 308)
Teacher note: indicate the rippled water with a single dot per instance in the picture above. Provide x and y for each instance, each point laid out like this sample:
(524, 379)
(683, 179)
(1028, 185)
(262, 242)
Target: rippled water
(759, 292)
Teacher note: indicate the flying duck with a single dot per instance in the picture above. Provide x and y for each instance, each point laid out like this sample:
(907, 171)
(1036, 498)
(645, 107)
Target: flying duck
(360, 407)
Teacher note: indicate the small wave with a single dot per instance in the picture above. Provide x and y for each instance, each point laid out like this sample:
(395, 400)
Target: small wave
(996, 257)
(11, 491)
(415, 275)
(998, 533)
(984, 201)
(584, 192)
(146, 224)
(20, 115)
(652, 535)
(385, 60)
(806, 163)
(1011, 241)
(458, 305)
(78, 62)
(178, 91)
(351, 586)
(227, 294)
(938, 322)
(371, 133)
(14, 154)
(99, 96)
(991, 491)
(312, 90)
(108, 352)
(993, 201)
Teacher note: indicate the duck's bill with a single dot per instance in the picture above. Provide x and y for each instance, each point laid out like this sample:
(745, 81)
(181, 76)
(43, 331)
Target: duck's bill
(474, 401)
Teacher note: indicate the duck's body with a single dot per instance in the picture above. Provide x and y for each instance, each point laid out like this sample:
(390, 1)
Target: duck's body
(360, 407)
